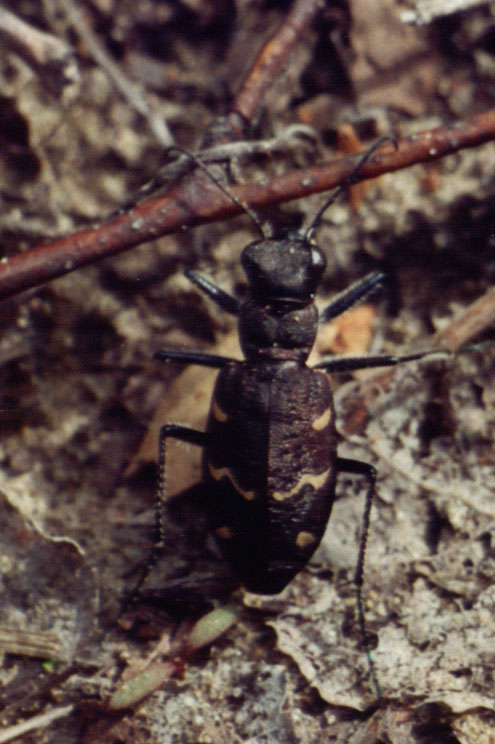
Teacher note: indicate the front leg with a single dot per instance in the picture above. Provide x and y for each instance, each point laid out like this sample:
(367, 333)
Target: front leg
(225, 301)
(193, 357)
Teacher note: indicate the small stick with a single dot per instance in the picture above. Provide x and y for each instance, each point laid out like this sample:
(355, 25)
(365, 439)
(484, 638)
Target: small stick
(475, 319)
(41, 721)
(469, 324)
(51, 57)
(126, 87)
(190, 203)
(273, 55)
(262, 74)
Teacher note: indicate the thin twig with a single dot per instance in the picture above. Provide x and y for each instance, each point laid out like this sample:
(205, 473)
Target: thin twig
(426, 11)
(126, 87)
(290, 139)
(273, 55)
(476, 318)
(51, 57)
(195, 202)
(262, 75)
(36, 722)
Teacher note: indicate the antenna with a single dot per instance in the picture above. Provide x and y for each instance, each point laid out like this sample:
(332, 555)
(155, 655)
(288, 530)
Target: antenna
(197, 160)
(348, 182)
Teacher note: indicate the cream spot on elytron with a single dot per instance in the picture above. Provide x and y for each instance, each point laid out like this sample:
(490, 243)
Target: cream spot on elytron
(314, 479)
(224, 532)
(219, 473)
(304, 539)
(322, 421)
(218, 413)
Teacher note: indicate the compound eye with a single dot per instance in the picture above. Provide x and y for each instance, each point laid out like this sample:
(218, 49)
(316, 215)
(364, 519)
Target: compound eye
(318, 260)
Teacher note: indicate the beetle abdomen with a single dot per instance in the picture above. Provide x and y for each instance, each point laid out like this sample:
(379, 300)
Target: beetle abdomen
(269, 468)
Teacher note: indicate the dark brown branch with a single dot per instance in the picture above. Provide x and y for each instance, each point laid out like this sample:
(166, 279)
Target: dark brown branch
(197, 201)
(273, 56)
(262, 74)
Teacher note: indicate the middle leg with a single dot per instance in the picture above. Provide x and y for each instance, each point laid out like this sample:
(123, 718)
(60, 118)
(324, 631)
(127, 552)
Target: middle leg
(182, 434)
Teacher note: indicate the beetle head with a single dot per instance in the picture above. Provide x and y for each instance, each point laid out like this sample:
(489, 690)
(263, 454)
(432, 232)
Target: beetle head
(287, 269)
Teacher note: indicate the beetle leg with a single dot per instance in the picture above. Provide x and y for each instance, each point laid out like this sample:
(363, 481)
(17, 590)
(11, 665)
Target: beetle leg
(356, 467)
(225, 301)
(194, 357)
(348, 364)
(352, 295)
(183, 434)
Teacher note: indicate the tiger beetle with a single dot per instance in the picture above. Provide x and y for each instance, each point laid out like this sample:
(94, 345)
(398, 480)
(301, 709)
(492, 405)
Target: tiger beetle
(270, 461)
